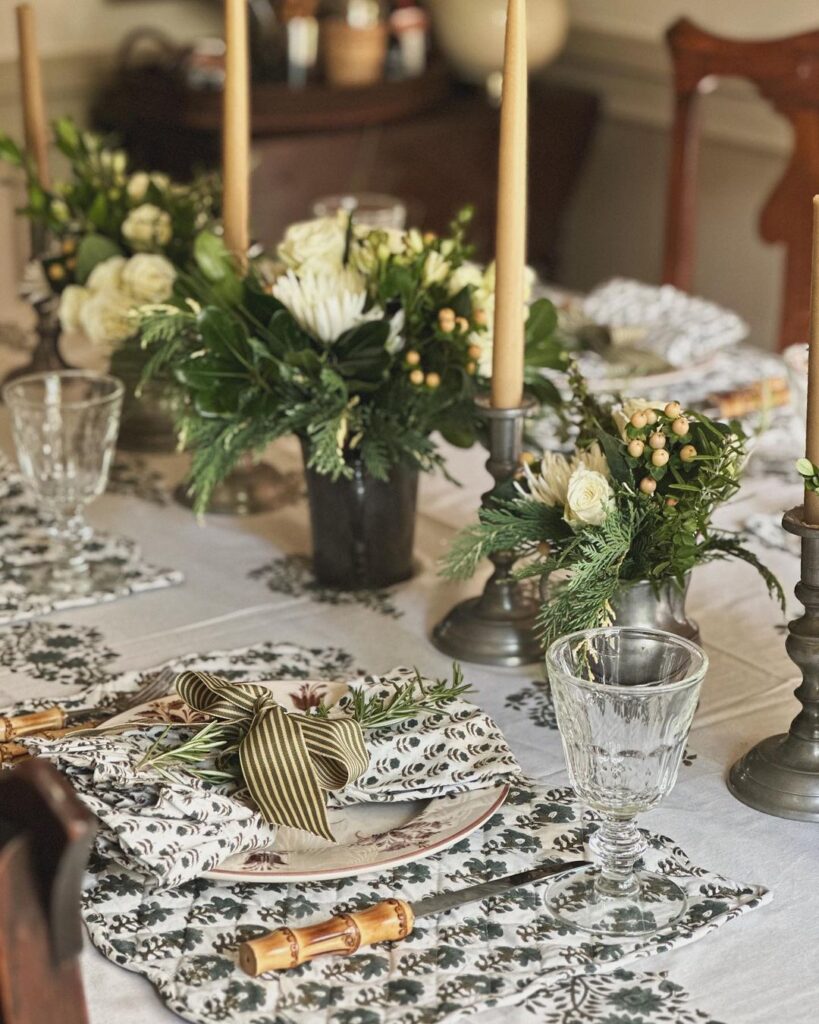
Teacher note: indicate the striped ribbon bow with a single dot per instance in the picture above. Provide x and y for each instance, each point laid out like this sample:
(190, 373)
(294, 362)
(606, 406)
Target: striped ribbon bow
(288, 761)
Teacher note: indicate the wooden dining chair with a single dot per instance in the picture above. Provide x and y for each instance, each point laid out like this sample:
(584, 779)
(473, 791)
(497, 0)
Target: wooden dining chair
(45, 839)
(786, 73)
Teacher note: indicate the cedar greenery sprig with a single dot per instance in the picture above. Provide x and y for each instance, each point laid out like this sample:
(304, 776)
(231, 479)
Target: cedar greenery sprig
(211, 754)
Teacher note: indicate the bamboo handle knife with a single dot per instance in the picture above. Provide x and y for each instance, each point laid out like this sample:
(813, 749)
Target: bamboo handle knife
(389, 921)
(29, 725)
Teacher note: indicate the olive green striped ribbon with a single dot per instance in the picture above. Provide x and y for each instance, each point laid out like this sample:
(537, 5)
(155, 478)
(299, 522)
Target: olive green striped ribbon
(288, 761)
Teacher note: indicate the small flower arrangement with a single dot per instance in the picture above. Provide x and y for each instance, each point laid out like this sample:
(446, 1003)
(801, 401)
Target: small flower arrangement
(362, 342)
(117, 237)
(633, 502)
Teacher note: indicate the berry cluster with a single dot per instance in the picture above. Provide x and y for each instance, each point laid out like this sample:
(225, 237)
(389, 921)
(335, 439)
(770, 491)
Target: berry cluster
(658, 442)
(454, 327)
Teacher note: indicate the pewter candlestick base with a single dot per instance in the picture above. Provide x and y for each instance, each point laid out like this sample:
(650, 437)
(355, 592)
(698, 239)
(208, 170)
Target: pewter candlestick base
(497, 628)
(780, 775)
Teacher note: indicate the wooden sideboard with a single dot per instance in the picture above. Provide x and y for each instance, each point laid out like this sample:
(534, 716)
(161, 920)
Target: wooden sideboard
(430, 142)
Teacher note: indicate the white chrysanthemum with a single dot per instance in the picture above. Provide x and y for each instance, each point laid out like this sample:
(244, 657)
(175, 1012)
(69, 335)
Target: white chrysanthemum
(589, 498)
(325, 305)
(623, 413)
(315, 246)
(147, 227)
(149, 277)
(72, 300)
(106, 319)
(107, 275)
(551, 484)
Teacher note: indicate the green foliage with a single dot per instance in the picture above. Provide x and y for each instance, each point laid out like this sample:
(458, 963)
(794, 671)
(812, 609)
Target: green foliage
(248, 373)
(809, 472)
(654, 536)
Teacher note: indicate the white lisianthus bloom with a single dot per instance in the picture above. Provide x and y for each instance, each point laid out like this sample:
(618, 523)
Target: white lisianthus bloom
(467, 275)
(415, 241)
(395, 339)
(162, 181)
(106, 319)
(588, 498)
(60, 211)
(147, 226)
(107, 275)
(436, 269)
(137, 186)
(149, 277)
(623, 414)
(325, 305)
(72, 301)
(315, 246)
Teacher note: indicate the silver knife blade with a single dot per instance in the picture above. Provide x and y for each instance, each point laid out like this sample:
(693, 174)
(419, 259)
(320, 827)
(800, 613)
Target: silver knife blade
(446, 901)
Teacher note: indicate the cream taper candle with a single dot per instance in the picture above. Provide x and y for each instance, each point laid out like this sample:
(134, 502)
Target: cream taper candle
(236, 131)
(31, 86)
(507, 362)
(811, 499)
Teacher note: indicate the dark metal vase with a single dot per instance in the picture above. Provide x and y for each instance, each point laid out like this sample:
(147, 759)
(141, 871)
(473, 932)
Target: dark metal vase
(363, 529)
(653, 606)
(658, 606)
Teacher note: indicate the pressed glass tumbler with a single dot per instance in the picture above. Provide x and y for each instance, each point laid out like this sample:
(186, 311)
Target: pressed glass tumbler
(624, 701)
(65, 428)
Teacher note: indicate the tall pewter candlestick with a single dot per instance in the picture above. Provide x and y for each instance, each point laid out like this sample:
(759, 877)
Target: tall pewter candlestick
(780, 775)
(497, 628)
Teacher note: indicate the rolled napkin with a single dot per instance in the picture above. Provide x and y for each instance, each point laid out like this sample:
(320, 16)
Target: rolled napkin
(172, 826)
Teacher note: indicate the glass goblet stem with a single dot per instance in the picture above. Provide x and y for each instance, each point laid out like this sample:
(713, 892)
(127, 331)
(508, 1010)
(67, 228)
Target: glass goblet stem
(617, 844)
(70, 533)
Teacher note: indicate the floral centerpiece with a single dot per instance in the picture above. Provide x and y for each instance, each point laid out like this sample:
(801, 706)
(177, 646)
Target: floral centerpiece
(117, 238)
(631, 506)
(364, 343)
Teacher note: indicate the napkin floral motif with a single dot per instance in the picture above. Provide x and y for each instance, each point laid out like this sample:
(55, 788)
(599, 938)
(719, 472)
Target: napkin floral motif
(24, 549)
(502, 952)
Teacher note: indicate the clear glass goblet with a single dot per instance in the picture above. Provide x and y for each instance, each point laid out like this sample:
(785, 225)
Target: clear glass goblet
(65, 428)
(624, 701)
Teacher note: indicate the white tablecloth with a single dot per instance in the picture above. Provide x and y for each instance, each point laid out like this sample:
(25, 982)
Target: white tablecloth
(759, 970)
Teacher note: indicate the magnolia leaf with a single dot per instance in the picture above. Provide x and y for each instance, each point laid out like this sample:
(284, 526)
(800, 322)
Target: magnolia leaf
(613, 450)
(98, 211)
(67, 136)
(212, 257)
(542, 321)
(222, 333)
(94, 249)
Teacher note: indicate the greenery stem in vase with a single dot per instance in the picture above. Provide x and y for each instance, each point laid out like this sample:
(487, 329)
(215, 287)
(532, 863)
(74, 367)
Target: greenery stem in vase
(633, 503)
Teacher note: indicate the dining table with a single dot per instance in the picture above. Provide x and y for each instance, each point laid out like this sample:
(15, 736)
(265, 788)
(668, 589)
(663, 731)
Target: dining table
(247, 580)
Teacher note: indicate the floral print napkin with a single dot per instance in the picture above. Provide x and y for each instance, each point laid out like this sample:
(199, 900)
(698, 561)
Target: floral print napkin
(118, 568)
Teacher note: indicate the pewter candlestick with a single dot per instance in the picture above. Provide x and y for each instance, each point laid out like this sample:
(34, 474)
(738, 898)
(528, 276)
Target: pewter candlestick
(781, 774)
(497, 628)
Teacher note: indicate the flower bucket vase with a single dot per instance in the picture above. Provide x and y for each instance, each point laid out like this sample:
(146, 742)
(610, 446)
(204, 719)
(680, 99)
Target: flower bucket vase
(657, 606)
(147, 423)
(363, 528)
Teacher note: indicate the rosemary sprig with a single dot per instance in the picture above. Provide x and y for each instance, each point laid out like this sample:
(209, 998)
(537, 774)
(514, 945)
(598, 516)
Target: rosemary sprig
(212, 743)
(408, 701)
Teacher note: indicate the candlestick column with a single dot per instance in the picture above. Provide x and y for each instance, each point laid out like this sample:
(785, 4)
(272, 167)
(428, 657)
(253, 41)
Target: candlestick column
(236, 131)
(507, 368)
(812, 451)
(31, 85)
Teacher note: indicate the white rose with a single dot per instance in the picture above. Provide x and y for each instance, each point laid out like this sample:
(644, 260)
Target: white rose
(436, 269)
(588, 498)
(106, 319)
(72, 301)
(107, 275)
(315, 246)
(149, 277)
(147, 227)
(623, 414)
(138, 185)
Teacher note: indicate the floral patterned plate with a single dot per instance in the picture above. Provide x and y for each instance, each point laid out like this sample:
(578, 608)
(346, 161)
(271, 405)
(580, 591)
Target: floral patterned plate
(369, 837)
